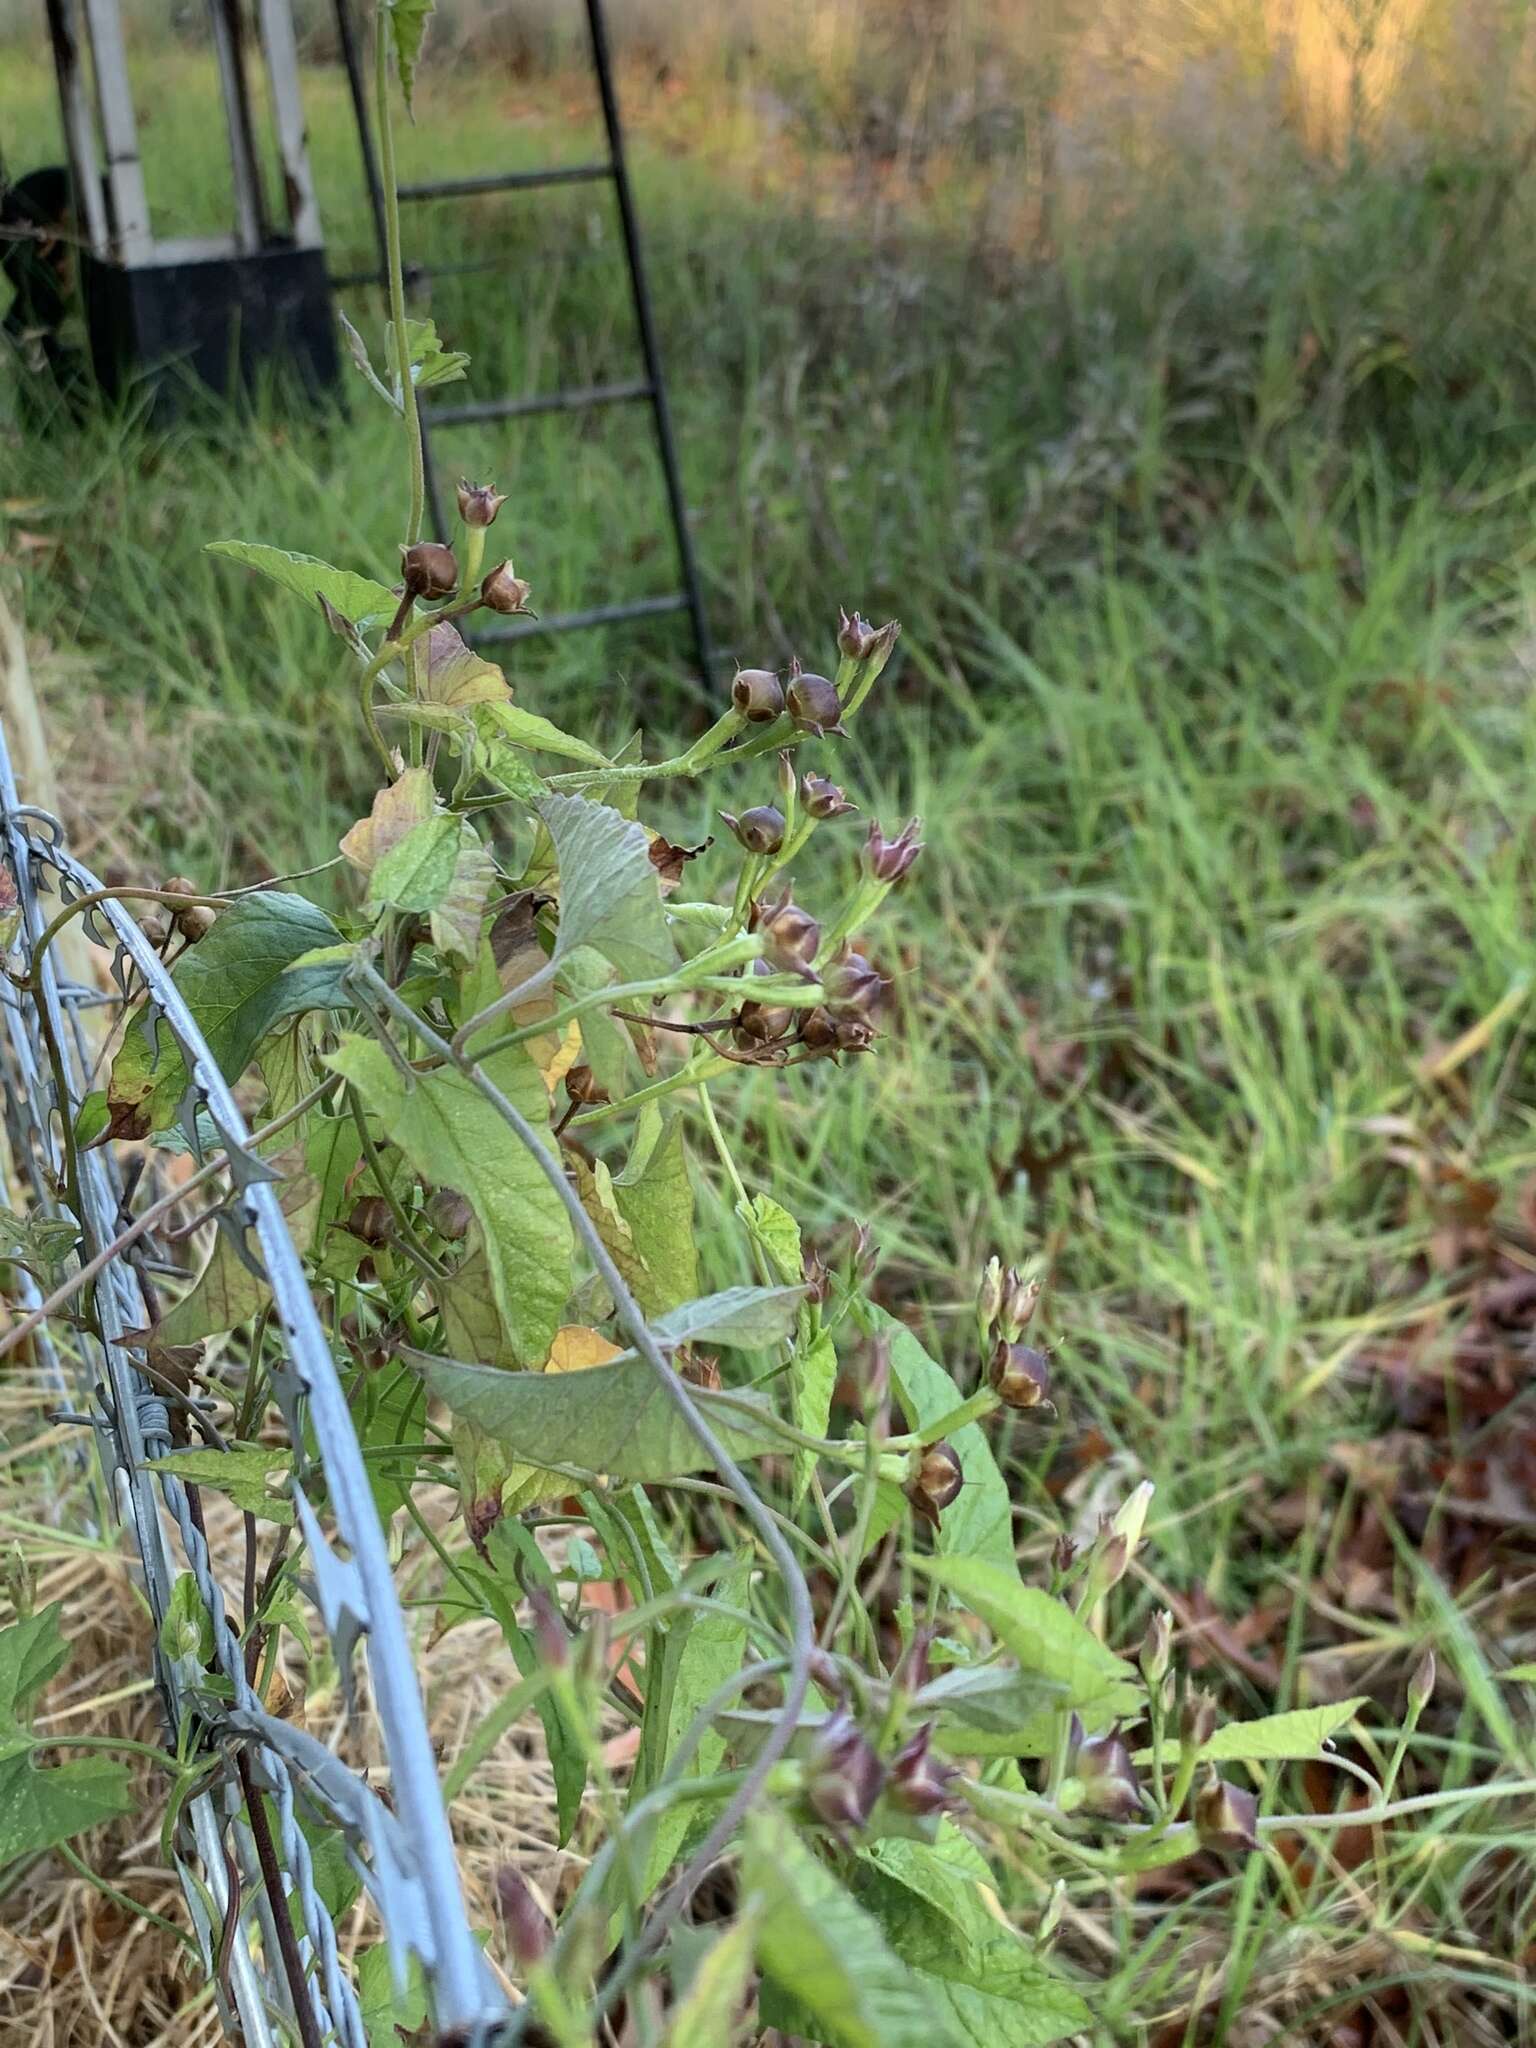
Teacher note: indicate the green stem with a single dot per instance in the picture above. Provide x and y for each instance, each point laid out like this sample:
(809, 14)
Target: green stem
(709, 1068)
(982, 1403)
(415, 1249)
(122, 1901)
(389, 179)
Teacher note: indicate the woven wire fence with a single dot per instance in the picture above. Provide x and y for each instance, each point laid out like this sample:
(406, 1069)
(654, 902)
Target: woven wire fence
(267, 1942)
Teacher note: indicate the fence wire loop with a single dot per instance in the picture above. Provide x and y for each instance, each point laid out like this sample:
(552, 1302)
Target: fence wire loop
(403, 1856)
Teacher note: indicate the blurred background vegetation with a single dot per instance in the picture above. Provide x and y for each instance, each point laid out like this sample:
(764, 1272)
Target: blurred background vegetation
(1169, 368)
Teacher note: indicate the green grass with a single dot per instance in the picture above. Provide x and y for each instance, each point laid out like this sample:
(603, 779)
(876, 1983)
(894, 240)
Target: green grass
(1214, 698)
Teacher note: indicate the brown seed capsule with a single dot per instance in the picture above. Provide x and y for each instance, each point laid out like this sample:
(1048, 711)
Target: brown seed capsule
(479, 503)
(583, 1086)
(813, 703)
(822, 798)
(178, 885)
(371, 1219)
(156, 927)
(1197, 1720)
(854, 987)
(791, 936)
(757, 694)
(843, 1775)
(818, 1031)
(889, 860)
(936, 1483)
(503, 591)
(1225, 1816)
(196, 922)
(760, 830)
(1020, 1377)
(1102, 1765)
(429, 569)
(856, 637)
(854, 1034)
(1063, 1555)
(449, 1214)
(917, 1783)
(760, 1024)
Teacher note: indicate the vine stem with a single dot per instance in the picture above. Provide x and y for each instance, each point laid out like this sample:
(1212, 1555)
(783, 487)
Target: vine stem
(631, 1317)
(388, 177)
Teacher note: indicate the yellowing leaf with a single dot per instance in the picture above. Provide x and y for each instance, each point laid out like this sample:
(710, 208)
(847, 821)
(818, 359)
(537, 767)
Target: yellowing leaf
(407, 802)
(456, 677)
(576, 1347)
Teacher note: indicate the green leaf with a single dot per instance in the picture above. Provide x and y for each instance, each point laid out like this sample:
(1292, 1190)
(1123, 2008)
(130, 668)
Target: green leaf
(454, 1138)
(741, 1318)
(40, 1243)
(455, 921)
(416, 872)
(609, 896)
(237, 985)
(32, 1651)
(228, 1292)
(518, 728)
(980, 1523)
(357, 348)
(430, 363)
(710, 2012)
(812, 1378)
(389, 2016)
(1276, 1738)
(509, 1545)
(94, 1115)
(996, 1698)
(992, 1990)
(655, 1198)
(698, 1652)
(828, 1971)
(616, 1419)
(407, 26)
(245, 1472)
(777, 1233)
(1046, 1637)
(186, 1627)
(1517, 1674)
(39, 1809)
(357, 598)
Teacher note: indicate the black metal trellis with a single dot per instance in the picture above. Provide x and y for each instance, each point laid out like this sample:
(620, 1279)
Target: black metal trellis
(649, 389)
(403, 1852)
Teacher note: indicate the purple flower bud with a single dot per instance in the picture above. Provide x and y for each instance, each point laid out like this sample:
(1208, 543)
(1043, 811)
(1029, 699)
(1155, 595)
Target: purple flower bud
(1020, 1297)
(843, 1777)
(503, 591)
(1102, 1765)
(479, 503)
(917, 1783)
(911, 1673)
(760, 830)
(1197, 1720)
(813, 703)
(528, 1930)
(854, 988)
(549, 1633)
(1225, 1816)
(1063, 1555)
(791, 936)
(429, 569)
(817, 1280)
(757, 694)
(856, 637)
(1020, 1377)
(822, 797)
(936, 1483)
(889, 860)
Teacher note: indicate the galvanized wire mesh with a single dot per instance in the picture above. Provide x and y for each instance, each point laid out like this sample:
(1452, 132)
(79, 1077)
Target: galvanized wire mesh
(403, 1851)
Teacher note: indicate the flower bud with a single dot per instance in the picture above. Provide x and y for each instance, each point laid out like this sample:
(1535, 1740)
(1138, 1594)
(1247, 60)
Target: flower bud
(583, 1086)
(854, 988)
(814, 1275)
(813, 703)
(917, 1783)
(479, 503)
(1132, 1518)
(1063, 1555)
(1111, 1557)
(843, 1775)
(196, 921)
(757, 694)
(889, 860)
(822, 797)
(549, 1631)
(504, 592)
(856, 637)
(1156, 1648)
(936, 1483)
(1102, 1766)
(529, 1933)
(371, 1219)
(1020, 1377)
(1019, 1300)
(792, 937)
(877, 1372)
(912, 1667)
(429, 569)
(1225, 1816)
(1422, 1684)
(760, 830)
(449, 1213)
(989, 1296)
(1197, 1720)
(760, 1024)
(1050, 1919)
